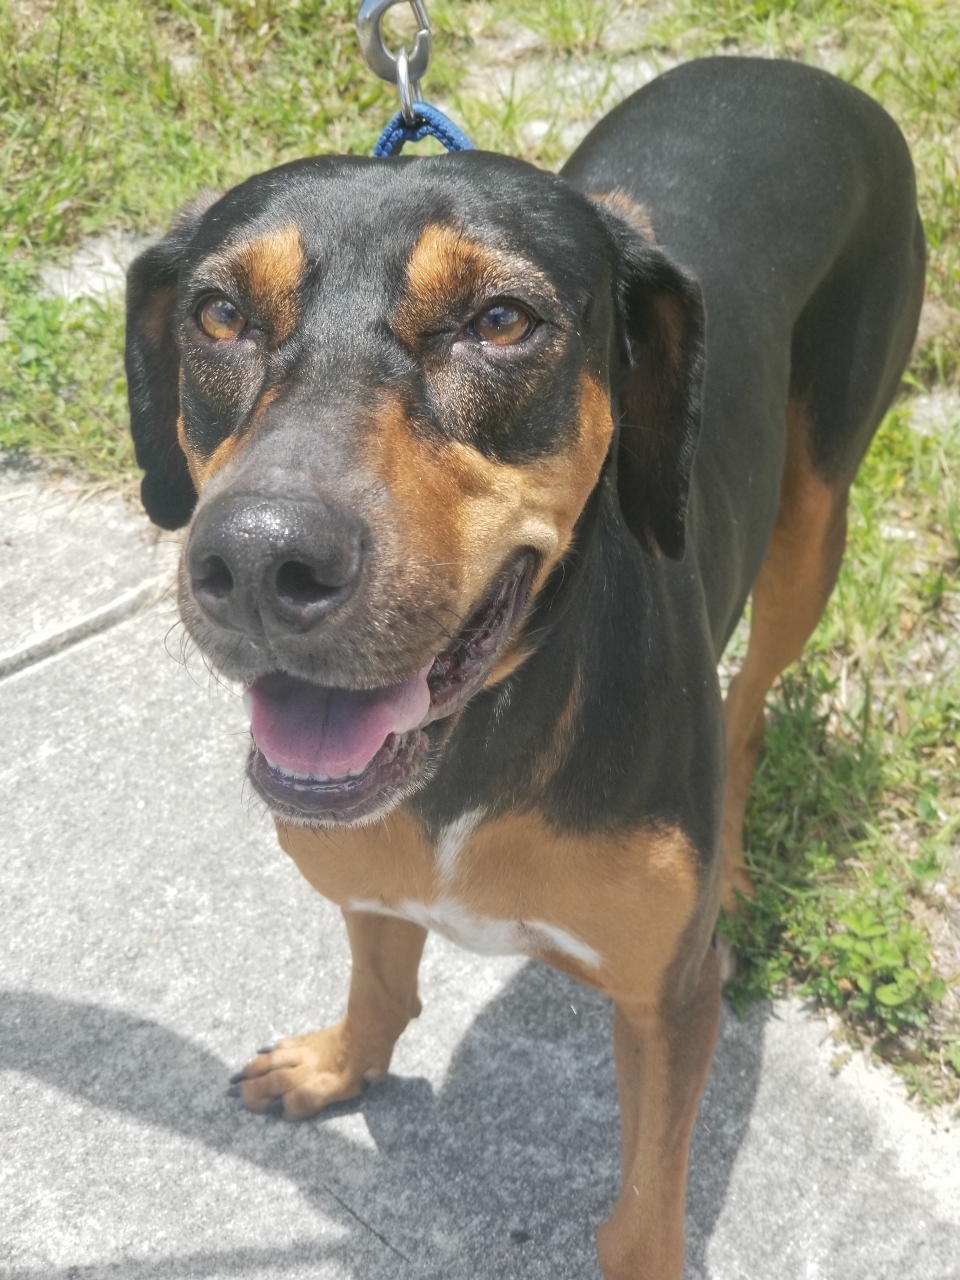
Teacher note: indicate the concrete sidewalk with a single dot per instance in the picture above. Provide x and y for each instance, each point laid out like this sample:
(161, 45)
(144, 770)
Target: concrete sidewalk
(153, 935)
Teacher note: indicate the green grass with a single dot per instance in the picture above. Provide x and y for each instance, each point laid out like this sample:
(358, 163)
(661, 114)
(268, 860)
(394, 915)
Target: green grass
(62, 389)
(115, 112)
(851, 829)
(569, 27)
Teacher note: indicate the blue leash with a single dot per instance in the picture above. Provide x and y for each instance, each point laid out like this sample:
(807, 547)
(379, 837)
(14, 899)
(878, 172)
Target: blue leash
(428, 122)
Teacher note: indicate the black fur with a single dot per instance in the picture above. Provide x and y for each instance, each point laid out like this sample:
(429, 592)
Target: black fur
(153, 374)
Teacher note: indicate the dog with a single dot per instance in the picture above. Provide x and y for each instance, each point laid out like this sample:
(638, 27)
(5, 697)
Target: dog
(481, 465)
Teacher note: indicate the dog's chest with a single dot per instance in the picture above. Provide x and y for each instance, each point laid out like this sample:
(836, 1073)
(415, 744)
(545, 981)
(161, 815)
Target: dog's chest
(475, 892)
(597, 906)
(485, 934)
(452, 910)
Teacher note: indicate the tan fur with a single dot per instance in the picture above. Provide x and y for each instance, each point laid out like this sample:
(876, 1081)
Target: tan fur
(509, 660)
(789, 597)
(271, 268)
(663, 1059)
(563, 734)
(309, 1072)
(628, 897)
(193, 462)
(628, 210)
(203, 469)
(634, 898)
(467, 514)
(446, 267)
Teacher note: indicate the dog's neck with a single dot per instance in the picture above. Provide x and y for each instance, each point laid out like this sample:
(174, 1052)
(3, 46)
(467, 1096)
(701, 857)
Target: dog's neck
(550, 737)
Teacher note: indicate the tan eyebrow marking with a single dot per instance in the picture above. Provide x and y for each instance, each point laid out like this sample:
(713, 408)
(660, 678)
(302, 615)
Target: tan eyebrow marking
(271, 268)
(445, 266)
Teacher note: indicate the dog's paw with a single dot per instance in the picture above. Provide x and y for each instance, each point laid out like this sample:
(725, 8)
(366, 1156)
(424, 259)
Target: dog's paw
(300, 1076)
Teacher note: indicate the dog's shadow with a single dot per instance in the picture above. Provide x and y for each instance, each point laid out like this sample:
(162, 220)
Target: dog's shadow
(504, 1172)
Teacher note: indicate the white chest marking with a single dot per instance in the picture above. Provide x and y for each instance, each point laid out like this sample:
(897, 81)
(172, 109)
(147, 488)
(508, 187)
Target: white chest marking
(484, 934)
(451, 840)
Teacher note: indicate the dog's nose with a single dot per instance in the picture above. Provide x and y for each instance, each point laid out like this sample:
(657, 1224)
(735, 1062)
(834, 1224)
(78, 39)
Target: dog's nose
(272, 564)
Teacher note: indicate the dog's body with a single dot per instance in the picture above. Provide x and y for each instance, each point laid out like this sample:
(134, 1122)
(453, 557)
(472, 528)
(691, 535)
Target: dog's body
(461, 398)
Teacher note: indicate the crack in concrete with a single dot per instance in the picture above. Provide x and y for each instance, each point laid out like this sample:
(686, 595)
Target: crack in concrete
(110, 615)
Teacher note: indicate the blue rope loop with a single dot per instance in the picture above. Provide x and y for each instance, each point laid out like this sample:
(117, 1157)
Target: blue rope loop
(430, 122)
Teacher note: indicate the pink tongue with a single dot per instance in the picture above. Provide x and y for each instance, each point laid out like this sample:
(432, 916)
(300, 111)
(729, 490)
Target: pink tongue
(304, 728)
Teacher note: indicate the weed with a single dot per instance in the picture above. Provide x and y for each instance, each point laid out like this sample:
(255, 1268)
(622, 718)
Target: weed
(570, 27)
(62, 387)
(855, 803)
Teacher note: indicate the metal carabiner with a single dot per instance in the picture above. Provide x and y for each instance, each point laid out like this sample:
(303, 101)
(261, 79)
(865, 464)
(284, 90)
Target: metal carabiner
(404, 70)
(408, 89)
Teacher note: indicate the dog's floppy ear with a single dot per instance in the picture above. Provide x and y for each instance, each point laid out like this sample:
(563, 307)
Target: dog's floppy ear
(662, 331)
(153, 372)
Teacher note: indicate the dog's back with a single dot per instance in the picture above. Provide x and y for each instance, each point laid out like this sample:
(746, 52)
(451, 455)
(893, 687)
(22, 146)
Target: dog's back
(790, 196)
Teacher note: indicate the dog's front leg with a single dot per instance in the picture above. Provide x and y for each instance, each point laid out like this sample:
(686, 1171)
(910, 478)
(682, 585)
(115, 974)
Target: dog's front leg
(306, 1073)
(663, 1058)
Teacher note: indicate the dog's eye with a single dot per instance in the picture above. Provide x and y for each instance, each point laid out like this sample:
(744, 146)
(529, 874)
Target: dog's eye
(504, 324)
(219, 318)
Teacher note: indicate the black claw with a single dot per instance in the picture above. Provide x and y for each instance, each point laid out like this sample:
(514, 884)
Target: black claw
(238, 1077)
(267, 1049)
(233, 1091)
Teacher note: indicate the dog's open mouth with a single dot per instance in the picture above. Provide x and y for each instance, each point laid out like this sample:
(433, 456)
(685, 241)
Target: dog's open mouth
(328, 755)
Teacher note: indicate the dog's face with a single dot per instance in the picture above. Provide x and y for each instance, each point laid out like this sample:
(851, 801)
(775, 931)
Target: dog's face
(386, 392)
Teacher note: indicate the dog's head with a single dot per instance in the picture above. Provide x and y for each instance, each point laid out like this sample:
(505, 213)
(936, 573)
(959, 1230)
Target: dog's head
(383, 393)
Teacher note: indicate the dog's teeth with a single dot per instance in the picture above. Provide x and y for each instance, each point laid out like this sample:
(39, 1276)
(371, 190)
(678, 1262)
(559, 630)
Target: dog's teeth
(309, 777)
(247, 701)
(287, 773)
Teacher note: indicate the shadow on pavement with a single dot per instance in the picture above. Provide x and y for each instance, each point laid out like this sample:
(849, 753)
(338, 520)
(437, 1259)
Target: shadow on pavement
(505, 1172)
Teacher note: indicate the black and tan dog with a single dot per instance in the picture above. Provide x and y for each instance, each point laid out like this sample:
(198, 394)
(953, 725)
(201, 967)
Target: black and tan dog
(481, 466)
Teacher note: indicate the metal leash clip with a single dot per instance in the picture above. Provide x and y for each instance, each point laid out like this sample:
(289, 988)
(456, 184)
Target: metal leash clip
(405, 70)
